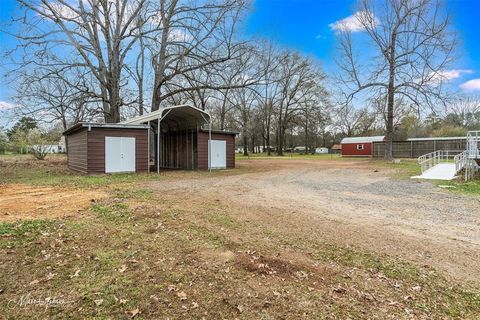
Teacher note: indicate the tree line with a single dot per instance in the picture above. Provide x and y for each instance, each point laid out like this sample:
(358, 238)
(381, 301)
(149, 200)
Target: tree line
(107, 60)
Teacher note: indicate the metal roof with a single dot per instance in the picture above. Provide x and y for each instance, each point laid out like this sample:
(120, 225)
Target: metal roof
(81, 125)
(363, 139)
(179, 117)
(436, 138)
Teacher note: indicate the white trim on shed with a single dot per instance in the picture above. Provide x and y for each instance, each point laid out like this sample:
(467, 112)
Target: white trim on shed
(363, 139)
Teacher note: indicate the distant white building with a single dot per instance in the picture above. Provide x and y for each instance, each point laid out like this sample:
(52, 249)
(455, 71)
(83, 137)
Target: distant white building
(321, 150)
(49, 148)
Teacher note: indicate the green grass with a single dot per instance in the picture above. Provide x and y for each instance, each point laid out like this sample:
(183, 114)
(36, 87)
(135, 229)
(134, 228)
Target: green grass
(22, 228)
(44, 176)
(117, 211)
(137, 193)
(291, 156)
(406, 169)
(471, 187)
(358, 259)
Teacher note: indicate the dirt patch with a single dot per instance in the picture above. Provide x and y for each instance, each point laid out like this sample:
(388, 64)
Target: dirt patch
(26, 202)
(267, 265)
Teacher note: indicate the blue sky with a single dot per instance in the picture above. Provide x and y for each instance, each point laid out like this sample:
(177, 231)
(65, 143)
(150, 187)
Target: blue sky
(304, 26)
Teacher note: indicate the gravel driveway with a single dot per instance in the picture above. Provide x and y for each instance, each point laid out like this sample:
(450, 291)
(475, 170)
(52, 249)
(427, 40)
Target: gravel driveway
(350, 202)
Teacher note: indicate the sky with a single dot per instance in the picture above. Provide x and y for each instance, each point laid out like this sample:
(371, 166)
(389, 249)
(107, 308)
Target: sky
(308, 26)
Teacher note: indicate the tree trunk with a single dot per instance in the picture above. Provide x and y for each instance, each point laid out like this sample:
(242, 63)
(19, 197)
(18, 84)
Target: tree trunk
(245, 145)
(390, 102)
(280, 141)
(159, 68)
(269, 152)
(140, 97)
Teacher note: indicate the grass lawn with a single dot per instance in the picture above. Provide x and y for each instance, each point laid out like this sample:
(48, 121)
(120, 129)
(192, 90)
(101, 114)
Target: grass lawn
(148, 254)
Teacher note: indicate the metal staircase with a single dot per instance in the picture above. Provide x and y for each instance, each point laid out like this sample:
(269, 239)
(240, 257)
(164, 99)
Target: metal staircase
(446, 164)
(471, 156)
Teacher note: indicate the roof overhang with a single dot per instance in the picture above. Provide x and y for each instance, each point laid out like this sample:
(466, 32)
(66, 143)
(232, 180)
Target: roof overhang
(179, 117)
(90, 125)
(233, 133)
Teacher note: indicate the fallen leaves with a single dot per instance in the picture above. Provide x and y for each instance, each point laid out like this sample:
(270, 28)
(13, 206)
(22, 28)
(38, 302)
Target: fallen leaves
(48, 277)
(182, 295)
(34, 282)
(76, 274)
(417, 288)
(133, 313)
(123, 268)
(339, 289)
(240, 308)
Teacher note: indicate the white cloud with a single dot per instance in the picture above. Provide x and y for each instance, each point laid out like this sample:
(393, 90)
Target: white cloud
(4, 105)
(179, 35)
(320, 37)
(59, 8)
(353, 23)
(447, 75)
(471, 85)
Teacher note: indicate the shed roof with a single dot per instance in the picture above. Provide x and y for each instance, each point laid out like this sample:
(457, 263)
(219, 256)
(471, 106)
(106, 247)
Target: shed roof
(363, 139)
(181, 117)
(436, 138)
(336, 147)
(81, 125)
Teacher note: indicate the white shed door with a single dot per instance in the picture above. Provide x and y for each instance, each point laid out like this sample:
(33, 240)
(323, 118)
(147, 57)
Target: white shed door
(218, 154)
(119, 154)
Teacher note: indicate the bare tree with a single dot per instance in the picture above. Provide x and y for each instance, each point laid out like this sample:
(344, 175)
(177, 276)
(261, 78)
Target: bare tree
(50, 95)
(269, 62)
(349, 119)
(101, 33)
(191, 36)
(412, 47)
(300, 83)
(466, 109)
(244, 101)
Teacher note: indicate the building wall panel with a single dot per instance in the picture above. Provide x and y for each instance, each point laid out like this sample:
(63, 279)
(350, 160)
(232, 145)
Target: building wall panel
(202, 147)
(96, 147)
(77, 151)
(350, 149)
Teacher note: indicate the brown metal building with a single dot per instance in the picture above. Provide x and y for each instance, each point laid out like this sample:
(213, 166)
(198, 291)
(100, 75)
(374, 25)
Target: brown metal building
(86, 143)
(169, 138)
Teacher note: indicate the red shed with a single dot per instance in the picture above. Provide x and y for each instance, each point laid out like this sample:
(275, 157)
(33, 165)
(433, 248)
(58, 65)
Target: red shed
(359, 146)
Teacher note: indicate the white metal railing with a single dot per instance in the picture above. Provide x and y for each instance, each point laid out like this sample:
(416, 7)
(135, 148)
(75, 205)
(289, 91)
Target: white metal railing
(473, 144)
(464, 160)
(431, 159)
(472, 154)
(471, 168)
(460, 160)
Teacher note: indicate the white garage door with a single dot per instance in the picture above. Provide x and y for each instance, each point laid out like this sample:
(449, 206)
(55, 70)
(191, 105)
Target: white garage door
(119, 154)
(218, 154)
